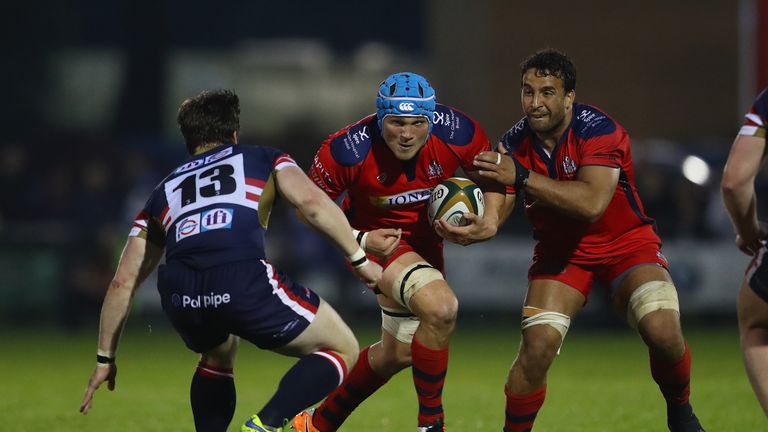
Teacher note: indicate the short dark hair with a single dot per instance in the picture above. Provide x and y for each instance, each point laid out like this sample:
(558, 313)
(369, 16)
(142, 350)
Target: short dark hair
(213, 116)
(552, 62)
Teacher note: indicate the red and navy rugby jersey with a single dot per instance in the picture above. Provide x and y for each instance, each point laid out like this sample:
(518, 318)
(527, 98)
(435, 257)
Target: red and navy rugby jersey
(756, 119)
(592, 138)
(214, 208)
(385, 192)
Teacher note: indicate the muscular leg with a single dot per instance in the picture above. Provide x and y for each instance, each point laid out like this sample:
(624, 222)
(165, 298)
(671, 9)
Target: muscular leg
(669, 354)
(526, 383)
(435, 304)
(375, 365)
(212, 393)
(660, 330)
(326, 349)
(753, 331)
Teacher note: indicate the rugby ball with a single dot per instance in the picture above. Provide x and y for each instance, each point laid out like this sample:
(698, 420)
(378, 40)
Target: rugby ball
(452, 198)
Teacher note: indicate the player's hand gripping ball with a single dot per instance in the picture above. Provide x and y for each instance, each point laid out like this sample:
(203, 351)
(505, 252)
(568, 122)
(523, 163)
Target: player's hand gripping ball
(452, 198)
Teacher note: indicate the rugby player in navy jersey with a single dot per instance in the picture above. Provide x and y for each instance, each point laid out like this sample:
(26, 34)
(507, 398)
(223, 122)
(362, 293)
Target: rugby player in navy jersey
(216, 286)
(738, 187)
(571, 166)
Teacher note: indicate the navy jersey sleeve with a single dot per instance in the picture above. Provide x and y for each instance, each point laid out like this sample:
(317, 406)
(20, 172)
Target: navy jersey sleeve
(756, 118)
(462, 134)
(603, 142)
(148, 222)
(337, 162)
(511, 139)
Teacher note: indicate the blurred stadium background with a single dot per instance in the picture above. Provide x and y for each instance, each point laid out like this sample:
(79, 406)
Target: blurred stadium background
(91, 90)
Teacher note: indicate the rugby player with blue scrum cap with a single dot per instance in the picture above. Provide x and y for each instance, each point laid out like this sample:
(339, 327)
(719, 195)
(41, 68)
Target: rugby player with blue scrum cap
(387, 163)
(209, 216)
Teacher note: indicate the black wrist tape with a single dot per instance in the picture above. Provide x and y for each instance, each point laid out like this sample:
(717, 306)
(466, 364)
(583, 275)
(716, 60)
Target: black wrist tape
(521, 174)
(104, 359)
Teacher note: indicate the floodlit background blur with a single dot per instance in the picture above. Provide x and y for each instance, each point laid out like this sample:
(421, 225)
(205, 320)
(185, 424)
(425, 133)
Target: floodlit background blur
(90, 91)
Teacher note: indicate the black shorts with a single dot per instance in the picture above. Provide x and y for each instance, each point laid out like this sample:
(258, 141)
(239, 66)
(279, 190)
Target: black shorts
(250, 299)
(757, 273)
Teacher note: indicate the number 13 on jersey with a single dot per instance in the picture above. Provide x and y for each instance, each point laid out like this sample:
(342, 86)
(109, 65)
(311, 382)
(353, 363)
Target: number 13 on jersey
(220, 183)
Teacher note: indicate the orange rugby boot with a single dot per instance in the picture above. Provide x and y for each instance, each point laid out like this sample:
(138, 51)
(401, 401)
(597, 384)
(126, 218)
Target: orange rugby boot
(303, 421)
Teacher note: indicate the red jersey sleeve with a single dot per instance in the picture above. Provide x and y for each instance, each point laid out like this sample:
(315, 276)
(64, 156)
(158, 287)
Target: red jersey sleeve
(328, 174)
(606, 150)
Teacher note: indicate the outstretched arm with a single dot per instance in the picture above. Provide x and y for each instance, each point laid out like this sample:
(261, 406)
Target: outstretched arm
(738, 189)
(138, 260)
(325, 216)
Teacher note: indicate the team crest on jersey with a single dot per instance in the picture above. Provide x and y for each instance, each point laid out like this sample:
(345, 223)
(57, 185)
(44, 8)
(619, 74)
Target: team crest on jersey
(188, 227)
(401, 199)
(569, 166)
(434, 170)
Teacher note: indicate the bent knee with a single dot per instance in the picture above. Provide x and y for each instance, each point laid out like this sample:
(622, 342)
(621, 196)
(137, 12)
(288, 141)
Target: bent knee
(349, 352)
(441, 315)
(436, 305)
(661, 332)
(539, 346)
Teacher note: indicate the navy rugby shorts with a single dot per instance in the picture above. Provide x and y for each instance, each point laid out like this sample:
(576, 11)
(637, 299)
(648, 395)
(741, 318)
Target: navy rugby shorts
(250, 299)
(757, 273)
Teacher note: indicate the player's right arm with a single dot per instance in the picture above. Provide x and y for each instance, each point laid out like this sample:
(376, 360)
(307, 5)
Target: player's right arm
(584, 198)
(510, 198)
(738, 189)
(138, 260)
(324, 215)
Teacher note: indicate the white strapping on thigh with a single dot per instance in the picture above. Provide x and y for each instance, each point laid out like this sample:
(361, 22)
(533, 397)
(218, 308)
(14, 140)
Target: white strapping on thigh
(411, 280)
(400, 324)
(650, 297)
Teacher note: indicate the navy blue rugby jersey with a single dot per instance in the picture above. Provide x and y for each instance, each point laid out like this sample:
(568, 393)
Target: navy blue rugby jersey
(214, 208)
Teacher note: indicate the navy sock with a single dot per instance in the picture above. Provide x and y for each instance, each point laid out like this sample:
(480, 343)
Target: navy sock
(306, 383)
(213, 398)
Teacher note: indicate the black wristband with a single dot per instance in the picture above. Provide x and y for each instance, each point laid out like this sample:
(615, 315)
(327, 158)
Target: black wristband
(104, 359)
(360, 236)
(359, 262)
(521, 174)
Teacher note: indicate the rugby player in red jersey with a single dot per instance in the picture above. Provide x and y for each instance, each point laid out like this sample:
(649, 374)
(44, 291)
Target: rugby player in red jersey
(572, 166)
(387, 163)
(738, 186)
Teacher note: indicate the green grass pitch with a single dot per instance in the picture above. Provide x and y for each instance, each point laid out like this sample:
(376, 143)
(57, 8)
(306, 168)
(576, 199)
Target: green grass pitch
(600, 382)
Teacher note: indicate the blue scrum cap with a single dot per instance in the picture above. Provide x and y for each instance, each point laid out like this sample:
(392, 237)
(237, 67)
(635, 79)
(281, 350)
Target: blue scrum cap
(405, 94)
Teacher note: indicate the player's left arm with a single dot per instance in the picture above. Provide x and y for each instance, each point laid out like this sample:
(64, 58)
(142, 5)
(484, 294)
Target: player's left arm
(139, 259)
